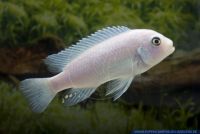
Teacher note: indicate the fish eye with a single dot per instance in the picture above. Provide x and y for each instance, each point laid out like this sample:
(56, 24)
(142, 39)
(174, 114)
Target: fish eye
(156, 41)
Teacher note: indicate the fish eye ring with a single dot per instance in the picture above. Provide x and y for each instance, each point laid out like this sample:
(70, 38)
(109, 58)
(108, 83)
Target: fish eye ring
(156, 41)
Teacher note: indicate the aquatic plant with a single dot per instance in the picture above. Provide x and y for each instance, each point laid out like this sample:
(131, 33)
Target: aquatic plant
(22, 22)
(99, 117)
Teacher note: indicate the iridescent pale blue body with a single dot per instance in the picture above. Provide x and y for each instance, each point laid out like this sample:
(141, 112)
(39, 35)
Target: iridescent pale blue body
(114, 54)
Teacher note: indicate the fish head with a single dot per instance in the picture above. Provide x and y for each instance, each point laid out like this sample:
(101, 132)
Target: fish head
(154, 47)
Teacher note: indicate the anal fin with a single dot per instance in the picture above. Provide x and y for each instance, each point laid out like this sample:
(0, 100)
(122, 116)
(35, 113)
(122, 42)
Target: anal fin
(76, 95)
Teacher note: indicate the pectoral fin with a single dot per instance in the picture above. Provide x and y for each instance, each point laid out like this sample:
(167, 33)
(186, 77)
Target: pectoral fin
(117, 87)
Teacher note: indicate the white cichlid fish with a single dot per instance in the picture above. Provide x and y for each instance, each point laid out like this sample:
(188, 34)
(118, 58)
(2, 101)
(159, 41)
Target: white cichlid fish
(114, 55)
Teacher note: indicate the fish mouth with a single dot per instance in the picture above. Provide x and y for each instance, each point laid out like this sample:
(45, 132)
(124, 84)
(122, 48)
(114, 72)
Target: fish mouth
(171, 46)
(172, 49)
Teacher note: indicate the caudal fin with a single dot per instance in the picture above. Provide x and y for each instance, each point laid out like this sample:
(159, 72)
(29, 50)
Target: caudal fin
(38, 93)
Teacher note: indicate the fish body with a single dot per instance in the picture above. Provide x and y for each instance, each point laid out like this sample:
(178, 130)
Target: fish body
(103, 62)
(115, 55)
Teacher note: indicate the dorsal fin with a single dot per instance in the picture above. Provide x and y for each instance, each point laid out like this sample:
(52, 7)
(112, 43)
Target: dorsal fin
(56, 62)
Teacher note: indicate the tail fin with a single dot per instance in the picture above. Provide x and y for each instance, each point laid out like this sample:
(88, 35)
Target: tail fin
(38, 93)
